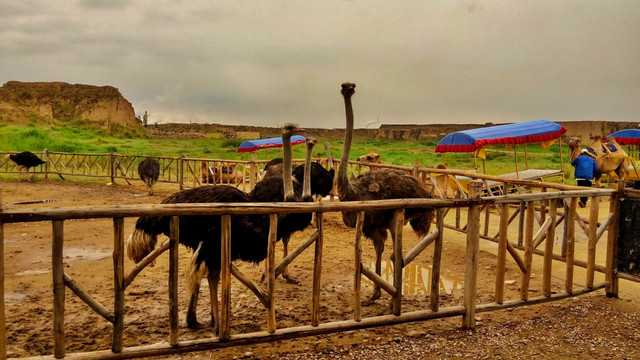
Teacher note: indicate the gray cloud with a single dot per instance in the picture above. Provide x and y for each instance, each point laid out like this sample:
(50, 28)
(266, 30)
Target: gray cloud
(269, 62)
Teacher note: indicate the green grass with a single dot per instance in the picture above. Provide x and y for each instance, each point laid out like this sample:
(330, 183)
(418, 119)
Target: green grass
(500, 159)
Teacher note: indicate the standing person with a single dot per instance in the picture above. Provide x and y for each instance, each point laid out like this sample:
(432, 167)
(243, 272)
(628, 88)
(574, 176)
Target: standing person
(586, 170)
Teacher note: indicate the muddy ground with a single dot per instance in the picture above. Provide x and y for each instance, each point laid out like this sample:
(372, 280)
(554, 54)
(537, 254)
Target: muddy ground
(591, 326)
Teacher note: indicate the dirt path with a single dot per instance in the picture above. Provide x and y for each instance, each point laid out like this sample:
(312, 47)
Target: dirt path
(590, 327)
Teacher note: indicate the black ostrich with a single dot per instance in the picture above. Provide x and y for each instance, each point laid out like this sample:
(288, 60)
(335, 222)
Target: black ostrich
(321, 178)
(25, 160)
(149, 171)
(249, 238)
(378, 185)
(284, 188)
(202, 234)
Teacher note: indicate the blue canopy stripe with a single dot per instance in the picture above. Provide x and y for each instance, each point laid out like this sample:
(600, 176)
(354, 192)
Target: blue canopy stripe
(253, 145)
(510, 134)
(626, 137)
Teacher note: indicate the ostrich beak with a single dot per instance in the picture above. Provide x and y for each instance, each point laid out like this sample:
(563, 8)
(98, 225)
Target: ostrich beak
(297, 130)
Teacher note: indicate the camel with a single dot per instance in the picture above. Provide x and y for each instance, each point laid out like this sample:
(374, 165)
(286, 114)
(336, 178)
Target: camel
(220, 174)
(609, 156)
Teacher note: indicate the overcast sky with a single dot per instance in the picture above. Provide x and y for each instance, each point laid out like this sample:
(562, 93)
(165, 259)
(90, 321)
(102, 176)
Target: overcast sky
(270, 62)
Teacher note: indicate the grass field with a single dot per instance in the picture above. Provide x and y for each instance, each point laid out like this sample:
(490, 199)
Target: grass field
(500, 159)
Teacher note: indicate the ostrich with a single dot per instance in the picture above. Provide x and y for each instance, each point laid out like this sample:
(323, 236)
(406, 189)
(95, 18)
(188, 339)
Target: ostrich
(25, 160)
(283, 188)
(249, 238)
(202, 234)
(378, 185)
(149, 171)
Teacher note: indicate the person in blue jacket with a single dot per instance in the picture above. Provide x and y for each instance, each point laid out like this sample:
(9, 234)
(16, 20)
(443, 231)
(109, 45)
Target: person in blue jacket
(586, 170)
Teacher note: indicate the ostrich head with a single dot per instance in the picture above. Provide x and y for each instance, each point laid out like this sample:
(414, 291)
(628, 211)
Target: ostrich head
(348, 89)
(290, 129)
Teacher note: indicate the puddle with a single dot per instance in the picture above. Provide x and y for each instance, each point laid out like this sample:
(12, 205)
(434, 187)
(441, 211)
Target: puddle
(33, 272)
(14, 298)
(85, 254)
(416, 279)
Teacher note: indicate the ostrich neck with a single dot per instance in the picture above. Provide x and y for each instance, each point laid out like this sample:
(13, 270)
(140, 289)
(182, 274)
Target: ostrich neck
(329, 158)
(287, 171)
(344, 188)
(306, 189)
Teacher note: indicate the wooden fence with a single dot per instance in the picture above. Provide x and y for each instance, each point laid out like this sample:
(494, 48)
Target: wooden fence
(537, 213)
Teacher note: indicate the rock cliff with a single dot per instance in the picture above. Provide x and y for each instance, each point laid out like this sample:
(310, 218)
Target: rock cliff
(49, 102)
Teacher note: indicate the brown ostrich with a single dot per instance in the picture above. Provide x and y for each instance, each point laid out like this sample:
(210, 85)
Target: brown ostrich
(378, 185)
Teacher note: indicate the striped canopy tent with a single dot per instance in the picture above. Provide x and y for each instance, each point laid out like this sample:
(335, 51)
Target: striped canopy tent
(626, 136)
(536, 131)
(253, 145)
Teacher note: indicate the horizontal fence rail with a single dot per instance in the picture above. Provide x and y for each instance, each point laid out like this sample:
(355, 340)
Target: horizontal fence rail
(534, 217)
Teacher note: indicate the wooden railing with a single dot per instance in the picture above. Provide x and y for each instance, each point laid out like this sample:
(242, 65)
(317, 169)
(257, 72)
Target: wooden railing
(538, 215)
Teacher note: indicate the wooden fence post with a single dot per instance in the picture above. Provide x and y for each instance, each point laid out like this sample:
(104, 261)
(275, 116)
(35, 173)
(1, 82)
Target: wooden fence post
(317, 271)
(502, 252)
(225, 278)
(174, 240)
(528, 249)
(357, 281)
(3, 328)
(398, 223)
(118, 279)
(112, 170)
(591, 247)
(181, 171)
(271, 272)
(437, 260)
(548, 248)
(569, 242)
(471, 263)
(612, 242)
(45, 155)
(58, 289)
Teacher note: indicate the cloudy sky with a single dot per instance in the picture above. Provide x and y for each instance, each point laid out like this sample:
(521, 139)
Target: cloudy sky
(270, 62)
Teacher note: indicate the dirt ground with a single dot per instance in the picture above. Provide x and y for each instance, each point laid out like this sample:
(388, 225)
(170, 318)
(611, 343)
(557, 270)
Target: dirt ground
(591, 326)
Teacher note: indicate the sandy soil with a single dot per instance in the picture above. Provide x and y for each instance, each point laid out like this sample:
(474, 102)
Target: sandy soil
(590, 327)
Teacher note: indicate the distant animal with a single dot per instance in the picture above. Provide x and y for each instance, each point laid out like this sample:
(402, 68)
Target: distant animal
(609, 156)
(149, 171)
(25, 160)
(220, 174)
(370, 158)
(378, 185)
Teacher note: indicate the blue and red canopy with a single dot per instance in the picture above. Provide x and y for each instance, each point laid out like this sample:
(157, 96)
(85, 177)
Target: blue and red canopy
(519, 133)
(253, 145)
(626, 137)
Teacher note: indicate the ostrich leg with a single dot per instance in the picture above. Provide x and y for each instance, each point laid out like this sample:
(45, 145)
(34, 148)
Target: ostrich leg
(192, 321)
(214, 279)
(378, 243)
(285, 251)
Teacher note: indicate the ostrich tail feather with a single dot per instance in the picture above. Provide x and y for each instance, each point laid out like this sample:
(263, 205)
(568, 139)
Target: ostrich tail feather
(422, 221)
(140, 244)
(194, 271)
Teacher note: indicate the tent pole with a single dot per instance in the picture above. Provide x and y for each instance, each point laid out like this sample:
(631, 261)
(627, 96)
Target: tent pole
(475, 161)
(443, 161)
(515, 153)
(561, 158)
(484, 167)
(526, 157)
